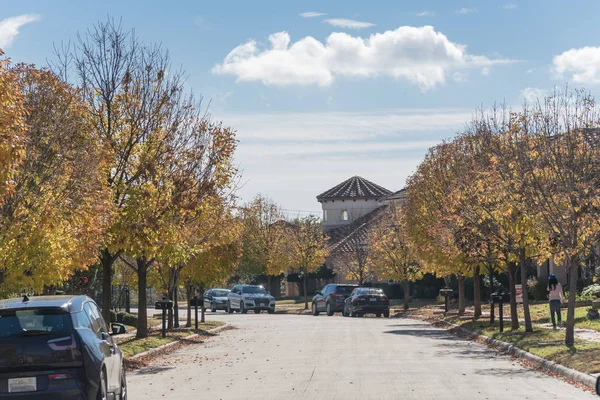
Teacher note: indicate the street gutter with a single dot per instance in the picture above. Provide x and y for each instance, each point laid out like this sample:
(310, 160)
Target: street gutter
(166, 345)
(509, 348)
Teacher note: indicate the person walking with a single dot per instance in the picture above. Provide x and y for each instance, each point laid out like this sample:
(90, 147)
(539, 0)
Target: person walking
(555, 294)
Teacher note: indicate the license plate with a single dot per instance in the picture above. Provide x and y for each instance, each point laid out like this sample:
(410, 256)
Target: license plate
(16, 385)
(372, 299)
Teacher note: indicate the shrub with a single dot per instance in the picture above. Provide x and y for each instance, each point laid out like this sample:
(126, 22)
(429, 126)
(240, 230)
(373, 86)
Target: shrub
(113, 316)
(120, 316)
(536, 289)
(591, 291)
(130, 319)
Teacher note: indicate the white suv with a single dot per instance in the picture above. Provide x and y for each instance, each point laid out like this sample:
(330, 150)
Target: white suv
(250, 297)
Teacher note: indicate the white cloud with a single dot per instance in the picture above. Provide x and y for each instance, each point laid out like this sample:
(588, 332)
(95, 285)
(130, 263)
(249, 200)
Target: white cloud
(579, 65)
(426, 14)
(311, 14)
(348, 23)
(460, 77)
(532, 94)
(465, 10)
(530, 70)
(294, 156)
(509, 6)
(418, 54)
(485, 71)
(9, 27)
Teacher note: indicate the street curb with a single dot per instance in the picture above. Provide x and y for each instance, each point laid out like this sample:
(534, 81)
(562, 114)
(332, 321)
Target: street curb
(166, 345)
(572, 374)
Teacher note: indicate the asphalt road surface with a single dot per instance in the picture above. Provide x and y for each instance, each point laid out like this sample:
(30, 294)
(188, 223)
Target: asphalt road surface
(306, 357)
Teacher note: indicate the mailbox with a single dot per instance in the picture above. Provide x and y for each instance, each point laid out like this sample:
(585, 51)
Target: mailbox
(501, 297)
(163, 305)
(446, 292)
(196, 302)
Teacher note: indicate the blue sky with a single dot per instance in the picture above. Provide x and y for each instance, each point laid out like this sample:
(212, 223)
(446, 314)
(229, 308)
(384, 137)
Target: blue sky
(363, 88)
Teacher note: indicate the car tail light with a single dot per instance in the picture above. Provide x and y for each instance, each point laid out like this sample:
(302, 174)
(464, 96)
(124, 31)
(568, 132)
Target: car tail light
(337, 295)
(63, 343)
(59, 377)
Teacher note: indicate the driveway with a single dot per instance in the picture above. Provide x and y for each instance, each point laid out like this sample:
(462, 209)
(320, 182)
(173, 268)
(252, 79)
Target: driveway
(306, 357)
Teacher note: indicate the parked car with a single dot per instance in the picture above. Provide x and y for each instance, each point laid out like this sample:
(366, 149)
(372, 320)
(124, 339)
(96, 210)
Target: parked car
(331, 298)
(250, 297)
(216, 299)
(367, 301)
(58, 347)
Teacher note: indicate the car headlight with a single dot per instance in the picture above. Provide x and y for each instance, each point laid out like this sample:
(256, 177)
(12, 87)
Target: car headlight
(250, 298)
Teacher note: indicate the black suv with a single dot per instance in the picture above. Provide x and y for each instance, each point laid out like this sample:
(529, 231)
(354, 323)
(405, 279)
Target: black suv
(58, 347)
(331, 298)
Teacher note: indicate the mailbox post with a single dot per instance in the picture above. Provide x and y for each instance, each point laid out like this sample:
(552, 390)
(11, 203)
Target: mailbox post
(446, 292)
(196, 302)
(164, 305)
(500, 297)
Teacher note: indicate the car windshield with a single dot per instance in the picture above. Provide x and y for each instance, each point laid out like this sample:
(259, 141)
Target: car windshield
(33, 322)
(345, 289)
(220, 293)
(254, 290)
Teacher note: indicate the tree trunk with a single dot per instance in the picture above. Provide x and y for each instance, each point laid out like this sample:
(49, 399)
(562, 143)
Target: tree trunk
(176, 299)
(127, 299)
(269, 278)
(524, 292)
(476, 294)
(189, 291)
(170, 296)
(406, 294)
(514, 316)
(461, 295)
(201, 296)
(305, 284)
(107, 260)
(573, 271)
(142, 273)
(491, 272)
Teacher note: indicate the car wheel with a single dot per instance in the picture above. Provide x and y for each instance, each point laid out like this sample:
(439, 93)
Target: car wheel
(271, 311)
(229, 309)
(329, 310)
(256, 311)
(243, 308)
(314, 309)
(102, 392)
(123, 395)
(386, 313)
(378, 315)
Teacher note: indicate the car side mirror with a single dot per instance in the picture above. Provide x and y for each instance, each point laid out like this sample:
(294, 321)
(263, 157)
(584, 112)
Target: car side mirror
(598, 386)
(117, 329)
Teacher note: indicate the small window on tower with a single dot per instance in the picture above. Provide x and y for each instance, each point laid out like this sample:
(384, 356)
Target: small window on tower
(344, 215)
(324, 215)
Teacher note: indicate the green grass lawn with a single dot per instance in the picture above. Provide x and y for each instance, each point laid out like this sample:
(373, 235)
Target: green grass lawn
(540, 313)
(132, 346)
(543, 342)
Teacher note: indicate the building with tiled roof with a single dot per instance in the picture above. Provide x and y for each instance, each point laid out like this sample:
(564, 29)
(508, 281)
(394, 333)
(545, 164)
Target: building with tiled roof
(355, 188)
(350, 200)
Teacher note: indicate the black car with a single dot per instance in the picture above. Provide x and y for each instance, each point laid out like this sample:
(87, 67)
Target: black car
(216, 299)
(58, 347)
(331, 298)
(367, 301)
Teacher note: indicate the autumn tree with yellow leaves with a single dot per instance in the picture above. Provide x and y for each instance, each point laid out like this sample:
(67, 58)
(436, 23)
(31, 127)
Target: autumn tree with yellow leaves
(54, 212)
(392, 253)
(307, 248)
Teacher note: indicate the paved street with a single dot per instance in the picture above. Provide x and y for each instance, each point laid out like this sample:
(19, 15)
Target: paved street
(305, 357)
